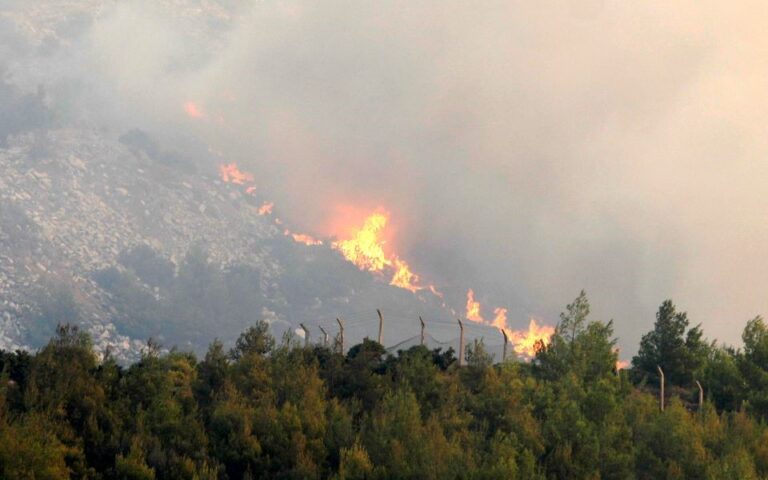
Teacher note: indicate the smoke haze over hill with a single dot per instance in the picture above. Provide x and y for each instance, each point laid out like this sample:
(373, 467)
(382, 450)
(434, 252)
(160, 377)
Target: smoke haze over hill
(525, 150)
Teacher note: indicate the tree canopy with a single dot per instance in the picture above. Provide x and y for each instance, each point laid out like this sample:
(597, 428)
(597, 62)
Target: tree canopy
(280, 409)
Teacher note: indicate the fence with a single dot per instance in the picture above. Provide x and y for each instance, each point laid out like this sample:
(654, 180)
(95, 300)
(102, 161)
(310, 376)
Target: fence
(378, 324)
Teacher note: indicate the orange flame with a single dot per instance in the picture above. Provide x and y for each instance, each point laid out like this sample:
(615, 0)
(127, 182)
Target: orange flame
(525, 343)
(500, 318)
(365, 249)
(303, 238)
(473, 308)
(620, 364)
(229, 173)
(404, 277)
(192, 110)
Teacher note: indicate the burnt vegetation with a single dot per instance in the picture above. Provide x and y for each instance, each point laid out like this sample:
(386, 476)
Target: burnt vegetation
(269, 408)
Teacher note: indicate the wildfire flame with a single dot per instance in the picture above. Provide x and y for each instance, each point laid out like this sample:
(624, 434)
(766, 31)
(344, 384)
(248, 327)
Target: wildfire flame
(365, 249)
(229, 173)
(620, 364)
(404, 277)
(500, 318)
(524, 342)
(192, 110)
(473, 308)
(303, 238)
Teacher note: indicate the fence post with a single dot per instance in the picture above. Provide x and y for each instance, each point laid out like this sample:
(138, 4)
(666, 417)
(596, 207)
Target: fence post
(461, 343)
(506, 341)
(341, 334)
(701, 395)
(306, 335)
(422, 329)
(661, 392)
(325, 337)
(381, 326)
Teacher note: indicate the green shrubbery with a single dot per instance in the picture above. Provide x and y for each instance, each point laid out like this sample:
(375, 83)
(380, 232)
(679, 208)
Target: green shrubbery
(270, 409)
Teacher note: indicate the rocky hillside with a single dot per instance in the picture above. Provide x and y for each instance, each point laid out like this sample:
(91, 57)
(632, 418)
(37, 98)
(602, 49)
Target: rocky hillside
(135, 236)
(112, 235)
(72, 210)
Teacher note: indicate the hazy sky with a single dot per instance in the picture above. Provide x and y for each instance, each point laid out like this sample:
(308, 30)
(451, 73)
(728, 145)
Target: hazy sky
(524, 149)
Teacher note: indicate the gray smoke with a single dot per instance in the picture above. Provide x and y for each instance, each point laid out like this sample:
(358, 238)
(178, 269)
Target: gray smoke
(524, 149)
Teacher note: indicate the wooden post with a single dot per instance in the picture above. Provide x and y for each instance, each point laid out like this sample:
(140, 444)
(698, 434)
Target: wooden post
(325, 337)
(306, 335)
(422, 329)
(701, 395)
(506, 341)
(461, 343)
(341, 334)
(381, 326)
(661, 392)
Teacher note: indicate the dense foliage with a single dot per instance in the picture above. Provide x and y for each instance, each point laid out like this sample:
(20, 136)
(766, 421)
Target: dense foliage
(277, 409)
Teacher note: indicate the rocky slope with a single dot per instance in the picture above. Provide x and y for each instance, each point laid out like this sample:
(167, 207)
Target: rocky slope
(81, 215)
(110, 228)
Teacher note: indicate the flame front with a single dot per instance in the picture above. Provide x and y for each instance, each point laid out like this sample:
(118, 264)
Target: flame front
(230, 173)
(524, 342)
(365, 249)
(266, 208)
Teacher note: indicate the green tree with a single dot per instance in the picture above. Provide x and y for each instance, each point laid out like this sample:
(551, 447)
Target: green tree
(671, 345)
(63, 384)
(355, 464)
(29, 450)
(255, 340)
(580, 347)
(753, 365)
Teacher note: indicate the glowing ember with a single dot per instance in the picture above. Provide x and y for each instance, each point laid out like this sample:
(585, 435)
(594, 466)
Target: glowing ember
(365, 249)
(193, 111)
(250, 190)
(266, 208)
(524, 342)
(229, 173)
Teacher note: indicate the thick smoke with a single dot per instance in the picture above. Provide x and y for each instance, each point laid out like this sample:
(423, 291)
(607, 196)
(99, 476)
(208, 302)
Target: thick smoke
(524, 149)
